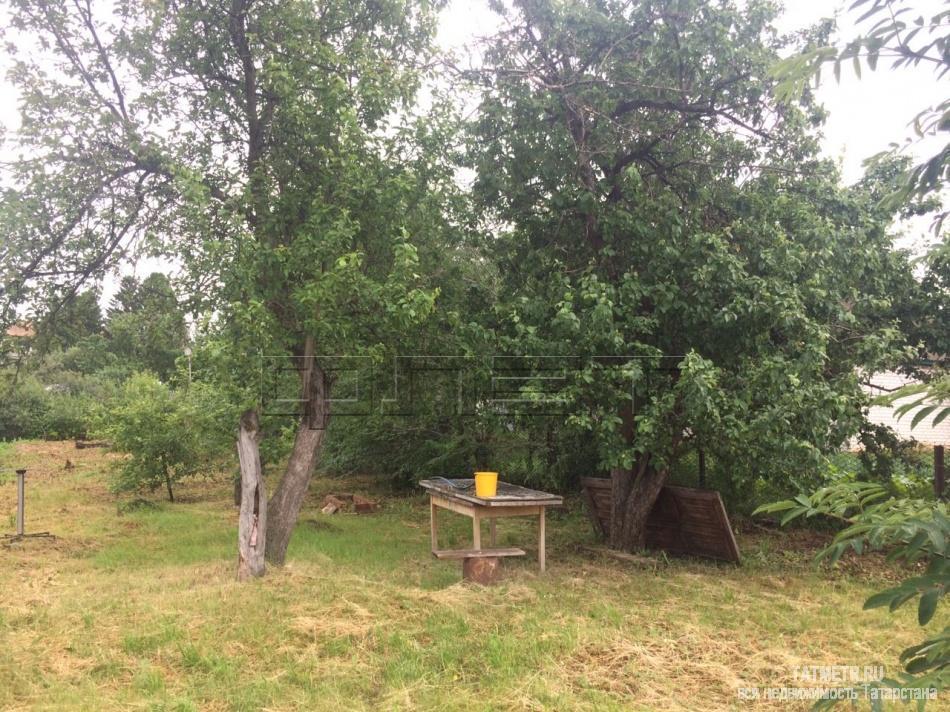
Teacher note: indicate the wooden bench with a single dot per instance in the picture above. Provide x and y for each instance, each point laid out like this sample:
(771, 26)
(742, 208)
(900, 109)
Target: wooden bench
(479, 565)
(476, 553)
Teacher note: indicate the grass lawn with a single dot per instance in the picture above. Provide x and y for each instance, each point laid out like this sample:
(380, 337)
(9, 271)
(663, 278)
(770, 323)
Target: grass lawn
(141, 610)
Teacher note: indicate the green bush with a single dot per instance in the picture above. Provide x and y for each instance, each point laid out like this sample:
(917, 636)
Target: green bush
(23, 409)
(169, 435)
(68, 416)
(59, 405)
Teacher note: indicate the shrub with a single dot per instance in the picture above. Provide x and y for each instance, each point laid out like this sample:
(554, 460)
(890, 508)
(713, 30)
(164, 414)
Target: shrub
(61, 409)
(23, 408)
(169, 435)
(67, 416)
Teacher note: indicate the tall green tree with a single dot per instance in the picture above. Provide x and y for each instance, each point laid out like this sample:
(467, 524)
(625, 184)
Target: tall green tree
(146, 325)
(126, 298)
(671, 226)
(904, 36)
(260, 142)
(74, 319)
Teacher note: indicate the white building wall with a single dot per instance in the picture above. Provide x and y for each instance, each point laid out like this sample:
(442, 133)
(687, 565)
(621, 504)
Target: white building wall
(888, 381)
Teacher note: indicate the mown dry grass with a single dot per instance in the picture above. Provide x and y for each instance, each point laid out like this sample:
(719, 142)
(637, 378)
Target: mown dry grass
(142, 611)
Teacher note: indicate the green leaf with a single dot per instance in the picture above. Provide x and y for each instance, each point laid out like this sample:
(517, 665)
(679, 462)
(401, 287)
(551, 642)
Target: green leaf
(924, 412)
(874, 9)
(879, 599)
(928, 605)
(774, 507)
(941, 416)
(903, 596)
(797, 512)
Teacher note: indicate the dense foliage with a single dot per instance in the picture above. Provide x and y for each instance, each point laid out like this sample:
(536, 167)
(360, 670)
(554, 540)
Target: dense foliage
(675, 228)
(652, 237)
(77, 358)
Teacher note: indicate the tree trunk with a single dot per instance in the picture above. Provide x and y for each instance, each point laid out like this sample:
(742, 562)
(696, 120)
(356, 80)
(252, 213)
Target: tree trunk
(642, 497)
(168, 481)
(634, 494)
(621, 480)
(252, 521)
(288, 498)
(285, 505)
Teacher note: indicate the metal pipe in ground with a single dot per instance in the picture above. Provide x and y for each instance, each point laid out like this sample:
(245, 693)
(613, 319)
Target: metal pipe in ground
(20, 501)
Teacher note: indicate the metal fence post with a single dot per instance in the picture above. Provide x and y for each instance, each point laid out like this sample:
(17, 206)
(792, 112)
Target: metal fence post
(20, 501)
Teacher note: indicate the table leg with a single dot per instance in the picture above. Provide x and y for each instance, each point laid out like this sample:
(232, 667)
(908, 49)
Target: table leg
(433, 526)
(541, 538)
(476, 533)
(491, 531)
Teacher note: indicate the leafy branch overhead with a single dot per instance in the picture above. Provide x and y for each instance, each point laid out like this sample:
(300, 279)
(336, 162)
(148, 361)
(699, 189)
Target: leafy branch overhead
(902, 38)
(910, 531)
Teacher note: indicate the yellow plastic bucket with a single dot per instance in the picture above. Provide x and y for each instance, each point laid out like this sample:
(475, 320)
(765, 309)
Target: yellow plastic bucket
(486, 484)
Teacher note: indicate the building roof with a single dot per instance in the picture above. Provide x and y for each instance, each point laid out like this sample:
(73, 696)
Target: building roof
(21, 330)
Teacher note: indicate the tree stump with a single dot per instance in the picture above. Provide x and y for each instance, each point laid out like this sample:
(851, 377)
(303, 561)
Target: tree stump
(484, 570)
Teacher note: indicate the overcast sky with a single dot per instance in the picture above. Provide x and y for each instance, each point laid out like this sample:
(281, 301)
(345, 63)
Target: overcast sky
(866, 115)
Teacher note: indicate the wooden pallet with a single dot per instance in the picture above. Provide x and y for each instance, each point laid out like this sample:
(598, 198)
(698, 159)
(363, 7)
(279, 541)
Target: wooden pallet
(684, 521)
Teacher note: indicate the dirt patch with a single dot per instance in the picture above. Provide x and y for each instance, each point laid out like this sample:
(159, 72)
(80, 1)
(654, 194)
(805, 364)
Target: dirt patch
(47, 461)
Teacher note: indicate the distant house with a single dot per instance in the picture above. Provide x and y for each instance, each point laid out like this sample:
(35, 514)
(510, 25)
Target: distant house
(16, 341)
(21, 331)
(881, 384)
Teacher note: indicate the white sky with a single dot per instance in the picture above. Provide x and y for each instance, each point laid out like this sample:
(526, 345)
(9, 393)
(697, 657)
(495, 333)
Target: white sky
(866, 115)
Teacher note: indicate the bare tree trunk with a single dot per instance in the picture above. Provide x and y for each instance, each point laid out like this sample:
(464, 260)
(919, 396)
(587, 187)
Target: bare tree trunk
(288, 498)
(285, 505)
(252, 521)
(621, 482)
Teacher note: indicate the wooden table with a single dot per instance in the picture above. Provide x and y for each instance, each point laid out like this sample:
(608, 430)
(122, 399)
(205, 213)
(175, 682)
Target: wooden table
(511, 501)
